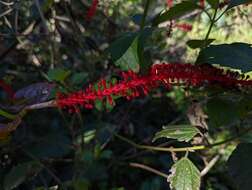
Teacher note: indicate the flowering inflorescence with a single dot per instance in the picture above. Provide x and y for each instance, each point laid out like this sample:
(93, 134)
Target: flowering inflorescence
(133, 85)
(92, 10)
(184, 27)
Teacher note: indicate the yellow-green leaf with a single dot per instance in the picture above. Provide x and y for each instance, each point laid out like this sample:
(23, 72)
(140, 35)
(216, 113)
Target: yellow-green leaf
(179, 132)
(185, 176)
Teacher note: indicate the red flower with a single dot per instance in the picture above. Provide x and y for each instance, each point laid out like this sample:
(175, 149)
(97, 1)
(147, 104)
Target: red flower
(132, 85)
(185, 27)
(169, 3)
(92, 10)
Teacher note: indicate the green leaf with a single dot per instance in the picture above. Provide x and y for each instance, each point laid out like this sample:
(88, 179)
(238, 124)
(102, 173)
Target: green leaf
(78, 78)
(239, 166)
(130, 59)
(179, 132)
(184, 176)
(176, 11)
(214, 3)
(234, 3)
(222, 111)
(58, 74)
(236, 55)
(194, 44)
(120, 46)
(18, 174)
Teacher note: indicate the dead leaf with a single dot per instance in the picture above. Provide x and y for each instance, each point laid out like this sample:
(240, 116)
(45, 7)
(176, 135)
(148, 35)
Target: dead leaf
(196, 115)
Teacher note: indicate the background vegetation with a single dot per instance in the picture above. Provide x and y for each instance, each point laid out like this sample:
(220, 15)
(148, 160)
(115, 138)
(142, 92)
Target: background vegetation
(47, 46)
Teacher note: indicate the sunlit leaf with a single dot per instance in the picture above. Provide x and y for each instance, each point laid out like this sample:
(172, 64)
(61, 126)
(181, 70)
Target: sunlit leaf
(184, 176)
(179, 132)
(120, 46)
(130, 59)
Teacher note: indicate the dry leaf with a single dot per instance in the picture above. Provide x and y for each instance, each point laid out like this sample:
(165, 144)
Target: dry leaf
(196, 115)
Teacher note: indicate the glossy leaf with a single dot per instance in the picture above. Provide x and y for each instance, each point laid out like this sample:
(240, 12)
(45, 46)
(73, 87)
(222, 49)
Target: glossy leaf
(194, 44)
(18, 174)
(179, 132)
(130, 59)
(120, 46)
(239, 165)
(176, 11)
(185, 175)
(234, 3)
(236, 55)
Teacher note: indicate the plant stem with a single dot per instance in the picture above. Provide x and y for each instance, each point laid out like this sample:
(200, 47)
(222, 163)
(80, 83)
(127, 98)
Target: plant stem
(171, 149)
(162, 149)
(7, 115)
(146, 8)
(221, 15)
(211, 26)
(183, 149)
(209, 165)
(147, 168)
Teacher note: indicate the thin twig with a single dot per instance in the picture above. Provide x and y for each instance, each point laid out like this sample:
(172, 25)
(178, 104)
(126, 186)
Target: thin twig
(6, 3)
(6, 12)
(48, 104)
(209, 165)
(147, 168)
(157, 148)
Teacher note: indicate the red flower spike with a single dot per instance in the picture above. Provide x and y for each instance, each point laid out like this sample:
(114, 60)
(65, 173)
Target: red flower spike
(92, 10)
(169, 3)
(185, 27)
(133, 85)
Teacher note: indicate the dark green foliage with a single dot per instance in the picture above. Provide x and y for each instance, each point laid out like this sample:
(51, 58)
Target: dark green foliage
(48, 46)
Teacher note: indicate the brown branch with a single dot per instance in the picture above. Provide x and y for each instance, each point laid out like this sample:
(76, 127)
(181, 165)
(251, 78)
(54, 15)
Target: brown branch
(209, 165)
(48, 104)
(147, 168)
